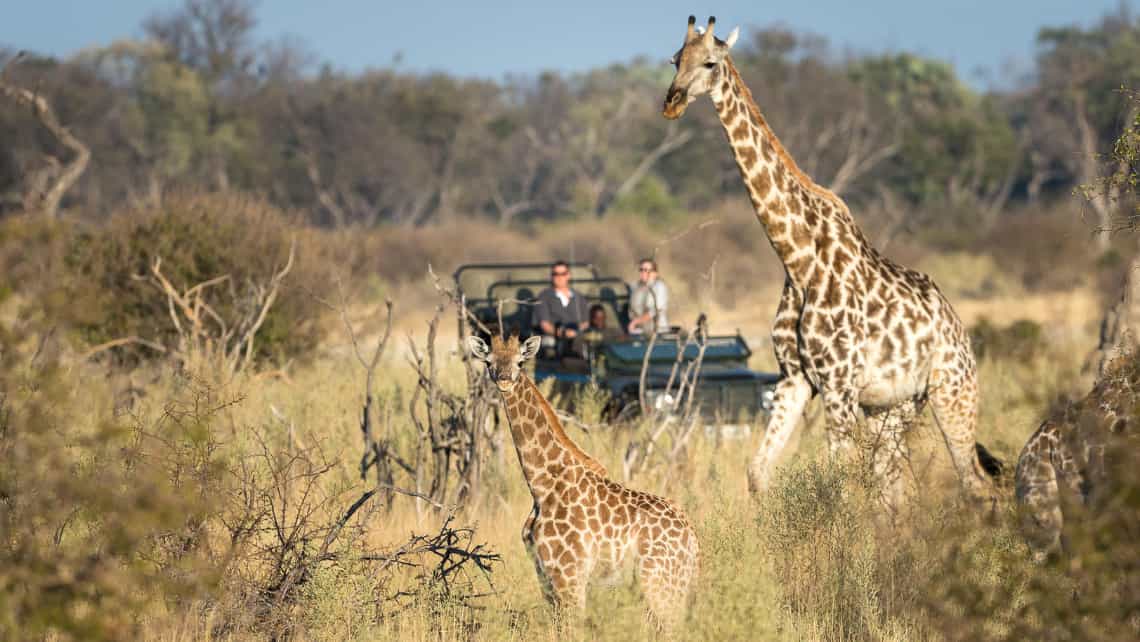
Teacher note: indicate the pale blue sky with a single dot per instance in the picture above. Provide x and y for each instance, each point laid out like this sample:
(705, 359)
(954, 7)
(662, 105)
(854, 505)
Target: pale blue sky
(493, 38)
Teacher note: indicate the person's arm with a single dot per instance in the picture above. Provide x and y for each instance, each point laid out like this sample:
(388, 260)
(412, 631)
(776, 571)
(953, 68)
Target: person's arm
(638, 320)
(661, 292)
(583, 308)
(542, 314)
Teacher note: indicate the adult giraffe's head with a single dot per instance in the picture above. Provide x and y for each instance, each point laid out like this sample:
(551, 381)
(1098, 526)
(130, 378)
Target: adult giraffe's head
(504, 358)
(699, 66)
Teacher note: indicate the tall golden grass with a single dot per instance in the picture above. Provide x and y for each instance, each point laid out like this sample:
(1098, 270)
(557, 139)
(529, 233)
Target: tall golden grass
(121, 490)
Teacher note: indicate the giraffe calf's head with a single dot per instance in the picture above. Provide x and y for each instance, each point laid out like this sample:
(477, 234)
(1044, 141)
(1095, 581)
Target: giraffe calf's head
(698, 65)
(504, 358)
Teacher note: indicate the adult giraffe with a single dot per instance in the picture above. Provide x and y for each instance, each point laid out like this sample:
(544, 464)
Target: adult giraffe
(851, 324)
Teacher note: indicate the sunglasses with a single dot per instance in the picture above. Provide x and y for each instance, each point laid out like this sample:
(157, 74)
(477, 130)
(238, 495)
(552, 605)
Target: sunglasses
(559, 274)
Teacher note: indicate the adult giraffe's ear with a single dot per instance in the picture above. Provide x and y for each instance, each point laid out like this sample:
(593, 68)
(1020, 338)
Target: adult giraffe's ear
(530, 347)
(732, 37)
(478, 348)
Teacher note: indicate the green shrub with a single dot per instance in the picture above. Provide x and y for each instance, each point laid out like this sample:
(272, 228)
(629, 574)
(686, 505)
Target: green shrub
(840, 575)
(101, 522)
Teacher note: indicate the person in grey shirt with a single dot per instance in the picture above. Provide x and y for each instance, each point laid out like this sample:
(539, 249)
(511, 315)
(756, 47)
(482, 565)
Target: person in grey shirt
(648, 301)
(559, 310)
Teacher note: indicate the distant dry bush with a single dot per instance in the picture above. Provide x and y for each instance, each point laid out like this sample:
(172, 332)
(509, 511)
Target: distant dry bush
(967, 275)
(1046, 250)
(1021, 340)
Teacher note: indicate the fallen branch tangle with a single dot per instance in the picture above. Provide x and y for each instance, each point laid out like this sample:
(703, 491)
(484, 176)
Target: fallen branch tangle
(454, 551)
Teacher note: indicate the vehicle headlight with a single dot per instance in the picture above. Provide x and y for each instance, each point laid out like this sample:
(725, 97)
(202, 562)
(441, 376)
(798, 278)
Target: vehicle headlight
(660, 400)
(767, 398)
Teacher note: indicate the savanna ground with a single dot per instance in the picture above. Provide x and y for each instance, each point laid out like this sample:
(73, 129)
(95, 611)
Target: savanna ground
(162, 498)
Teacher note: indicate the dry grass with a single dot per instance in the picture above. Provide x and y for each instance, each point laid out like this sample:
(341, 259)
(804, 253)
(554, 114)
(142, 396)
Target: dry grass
(769, 572)
(810, 562)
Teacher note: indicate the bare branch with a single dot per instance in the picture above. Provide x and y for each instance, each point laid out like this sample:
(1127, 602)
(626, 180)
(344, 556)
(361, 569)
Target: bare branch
(115, 343)
(48, 202)
(673, 139)
(274, 285)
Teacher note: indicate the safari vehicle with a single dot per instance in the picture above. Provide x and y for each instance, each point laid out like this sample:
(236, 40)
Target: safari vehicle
(499, 295)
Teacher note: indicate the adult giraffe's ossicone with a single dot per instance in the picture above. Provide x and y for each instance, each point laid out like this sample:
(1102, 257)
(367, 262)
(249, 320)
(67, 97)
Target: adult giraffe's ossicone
(852, 325)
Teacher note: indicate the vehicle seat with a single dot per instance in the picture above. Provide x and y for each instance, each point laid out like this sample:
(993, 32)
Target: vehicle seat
(524, 313)
(608, 297)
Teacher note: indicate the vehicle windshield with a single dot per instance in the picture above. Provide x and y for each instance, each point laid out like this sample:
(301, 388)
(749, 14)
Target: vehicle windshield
(487, 286)
(475, 279)
(665, 349)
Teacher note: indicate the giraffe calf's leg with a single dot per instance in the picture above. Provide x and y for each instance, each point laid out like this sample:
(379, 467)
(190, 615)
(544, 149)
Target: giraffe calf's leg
(568, 592)
(528, 538)
(666, 575)
(792, 394)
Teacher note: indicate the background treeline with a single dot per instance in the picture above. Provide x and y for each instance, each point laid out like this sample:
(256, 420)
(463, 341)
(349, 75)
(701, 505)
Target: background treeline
(200, 103)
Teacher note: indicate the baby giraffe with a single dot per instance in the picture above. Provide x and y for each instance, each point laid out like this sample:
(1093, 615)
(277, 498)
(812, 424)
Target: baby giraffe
(583, 523)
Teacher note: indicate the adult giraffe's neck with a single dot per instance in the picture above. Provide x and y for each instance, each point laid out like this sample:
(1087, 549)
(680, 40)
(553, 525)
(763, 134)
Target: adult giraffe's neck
(545, 451)
(795, 211)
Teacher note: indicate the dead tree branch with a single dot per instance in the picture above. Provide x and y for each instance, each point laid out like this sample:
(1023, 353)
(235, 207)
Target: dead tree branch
(45, 189)
(674, 412)
(202, 331)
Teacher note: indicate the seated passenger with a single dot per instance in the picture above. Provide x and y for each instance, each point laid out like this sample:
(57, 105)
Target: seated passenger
(648, 301)
(560, 311)
(598, 324)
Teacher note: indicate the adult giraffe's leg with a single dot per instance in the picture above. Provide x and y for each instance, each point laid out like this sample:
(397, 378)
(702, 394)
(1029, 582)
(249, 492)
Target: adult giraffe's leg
(953, 397)
(792, 394)
(841, 406)
(889, 452)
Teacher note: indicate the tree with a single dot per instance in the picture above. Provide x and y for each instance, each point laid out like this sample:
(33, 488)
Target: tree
(957, 147)
(1076, 109)
(214, 39)
(1120, 328)
(45, 187)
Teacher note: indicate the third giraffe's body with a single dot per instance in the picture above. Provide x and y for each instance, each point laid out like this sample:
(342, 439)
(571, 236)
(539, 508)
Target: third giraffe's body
(851, 325)
(1064, 464)
(582, 523)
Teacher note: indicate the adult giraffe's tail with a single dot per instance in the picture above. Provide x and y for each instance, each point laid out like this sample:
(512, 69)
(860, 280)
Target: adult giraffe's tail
(990, 464)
